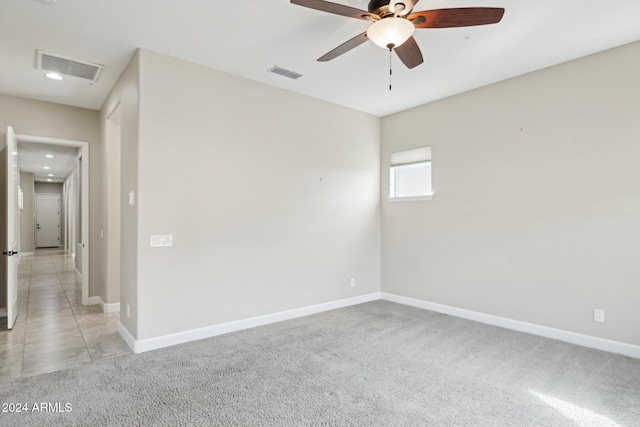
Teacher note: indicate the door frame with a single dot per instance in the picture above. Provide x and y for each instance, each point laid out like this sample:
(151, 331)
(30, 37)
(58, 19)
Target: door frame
(84, 146)
(10, 167)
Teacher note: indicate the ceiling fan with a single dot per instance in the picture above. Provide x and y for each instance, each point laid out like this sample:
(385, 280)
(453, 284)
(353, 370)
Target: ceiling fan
(393, 24)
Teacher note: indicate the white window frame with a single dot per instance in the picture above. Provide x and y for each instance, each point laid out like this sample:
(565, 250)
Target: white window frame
(415, 156)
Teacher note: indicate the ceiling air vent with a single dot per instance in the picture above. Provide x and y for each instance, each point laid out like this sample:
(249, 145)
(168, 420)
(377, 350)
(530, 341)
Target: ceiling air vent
(286, 73)
(71, 67)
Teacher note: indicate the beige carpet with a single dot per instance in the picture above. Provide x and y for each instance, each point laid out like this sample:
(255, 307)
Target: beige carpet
(376, 364)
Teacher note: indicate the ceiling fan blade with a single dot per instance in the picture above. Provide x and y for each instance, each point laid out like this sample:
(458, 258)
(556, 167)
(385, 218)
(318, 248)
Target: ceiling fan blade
(344, 47)
(409, 53)
(337, 9)
(457, 17)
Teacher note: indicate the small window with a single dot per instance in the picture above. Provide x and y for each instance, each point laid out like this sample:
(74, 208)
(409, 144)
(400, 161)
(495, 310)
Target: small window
(410, 174)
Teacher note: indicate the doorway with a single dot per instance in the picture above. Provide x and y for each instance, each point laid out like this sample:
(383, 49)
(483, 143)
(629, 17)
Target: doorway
(74, 232)
(47, 220)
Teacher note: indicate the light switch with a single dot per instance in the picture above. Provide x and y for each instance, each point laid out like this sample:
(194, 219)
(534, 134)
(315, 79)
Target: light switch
(132, 198)
(161, 240)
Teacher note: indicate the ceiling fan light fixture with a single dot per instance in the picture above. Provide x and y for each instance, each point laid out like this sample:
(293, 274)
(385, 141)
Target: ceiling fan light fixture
(390, 32)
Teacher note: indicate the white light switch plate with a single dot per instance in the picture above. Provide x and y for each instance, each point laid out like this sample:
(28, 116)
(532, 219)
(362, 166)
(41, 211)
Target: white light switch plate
(161, 240)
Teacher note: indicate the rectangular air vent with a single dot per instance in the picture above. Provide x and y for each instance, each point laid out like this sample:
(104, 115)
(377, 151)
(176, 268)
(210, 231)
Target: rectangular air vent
(286, 73)
(70, 67)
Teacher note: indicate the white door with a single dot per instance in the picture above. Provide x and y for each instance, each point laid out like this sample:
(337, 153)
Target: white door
(12, 227)
(47, 220)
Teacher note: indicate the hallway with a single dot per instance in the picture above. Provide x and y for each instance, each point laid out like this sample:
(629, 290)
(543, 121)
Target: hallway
(54, 330)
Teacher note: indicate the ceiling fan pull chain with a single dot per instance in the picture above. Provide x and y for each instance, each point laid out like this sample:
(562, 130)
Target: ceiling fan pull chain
(390, 69)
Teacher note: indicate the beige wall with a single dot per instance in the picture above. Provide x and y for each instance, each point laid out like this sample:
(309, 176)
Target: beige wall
(46, 119)
(112, 208)
(49, 188)
(27, 238)
(536, 213)
(272, 198)
(120, 221)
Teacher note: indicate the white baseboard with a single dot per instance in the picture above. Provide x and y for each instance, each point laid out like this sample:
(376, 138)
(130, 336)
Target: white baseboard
(516, 325)
(3, 312)
(106, 308)
(139, 346)
(113, 307)
(28, 253)
(127, 337)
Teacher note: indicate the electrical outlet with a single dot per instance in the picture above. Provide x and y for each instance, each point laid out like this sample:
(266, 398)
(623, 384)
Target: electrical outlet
(353, 282)
(598, 315)
(161, 240)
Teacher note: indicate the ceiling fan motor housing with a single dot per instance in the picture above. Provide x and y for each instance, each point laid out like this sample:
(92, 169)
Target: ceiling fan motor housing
(382, 7)
(376, 6)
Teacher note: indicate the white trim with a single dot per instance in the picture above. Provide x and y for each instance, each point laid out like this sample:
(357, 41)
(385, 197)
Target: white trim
(47, 140)
(139, 346)
(3, 312)
(127, 337)
(516, 325)
(27, 253)
(85, 219)
(109, 308)
(113, 307)
(411, 198)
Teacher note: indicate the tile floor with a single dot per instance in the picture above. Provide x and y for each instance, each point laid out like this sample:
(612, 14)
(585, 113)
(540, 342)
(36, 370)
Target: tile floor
(54, 330)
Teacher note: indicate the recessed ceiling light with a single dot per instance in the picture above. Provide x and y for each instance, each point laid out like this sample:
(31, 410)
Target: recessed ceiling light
(49, 180)
(49, 156)
(50, 174)
(54, 76)
(47, 167)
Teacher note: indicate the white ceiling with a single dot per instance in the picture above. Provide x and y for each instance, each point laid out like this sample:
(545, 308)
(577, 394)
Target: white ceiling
(247, 38)
(32, 158)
